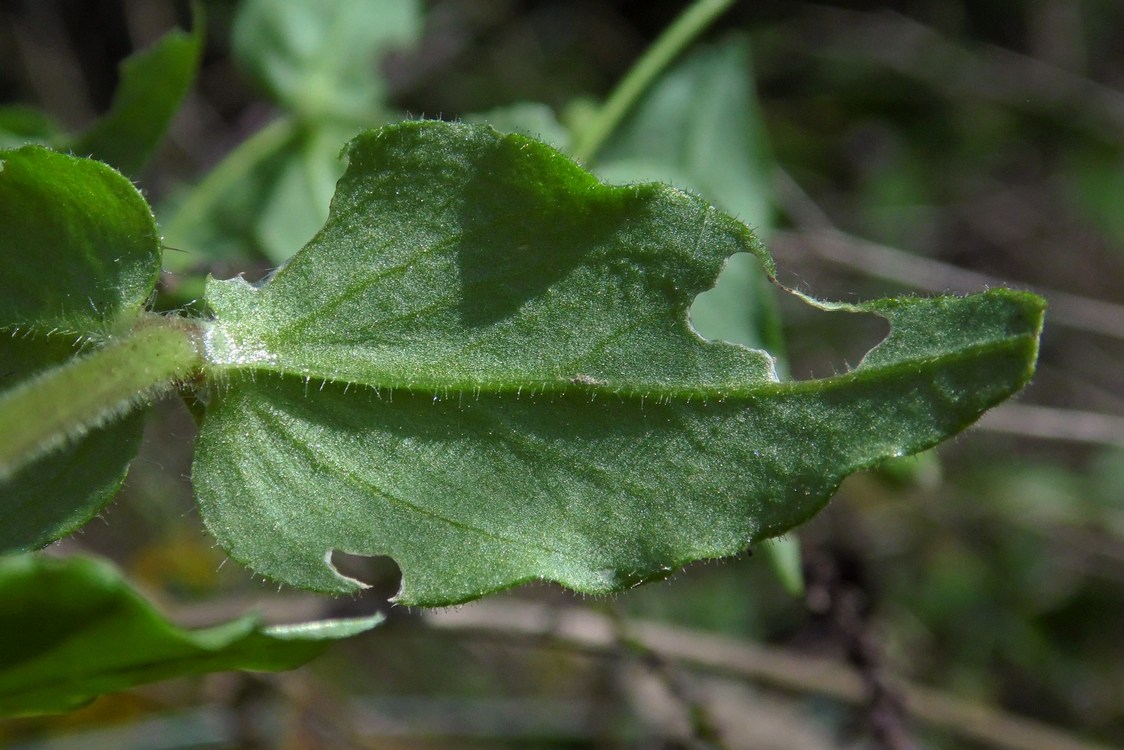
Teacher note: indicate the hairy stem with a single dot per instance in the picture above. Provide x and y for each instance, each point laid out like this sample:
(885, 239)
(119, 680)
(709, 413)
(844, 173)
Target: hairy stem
(64, 403)
(647, 69)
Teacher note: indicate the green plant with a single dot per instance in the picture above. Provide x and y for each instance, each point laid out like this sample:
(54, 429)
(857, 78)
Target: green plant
(481, 365)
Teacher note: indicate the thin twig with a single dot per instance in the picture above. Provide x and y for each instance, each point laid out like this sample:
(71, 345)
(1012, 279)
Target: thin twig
(777, 668)
(1055, 424)
(822, 239)
(703, 727)
(982, 72)
(844, 607)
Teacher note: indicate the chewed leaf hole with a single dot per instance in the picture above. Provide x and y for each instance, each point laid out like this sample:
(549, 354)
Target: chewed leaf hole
(822, 343)
(742, 308)
(738, 308)
(380, 573)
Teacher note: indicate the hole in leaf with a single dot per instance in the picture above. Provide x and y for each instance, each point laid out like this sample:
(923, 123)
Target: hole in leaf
(823, 343)
(744, 308)
(739, 308)
(379, 572)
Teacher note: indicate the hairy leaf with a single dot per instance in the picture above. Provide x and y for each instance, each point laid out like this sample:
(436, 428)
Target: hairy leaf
(153, 84)
(482, 366)
(80, 249)
(700, 129)
(71, 630)
(79, 256)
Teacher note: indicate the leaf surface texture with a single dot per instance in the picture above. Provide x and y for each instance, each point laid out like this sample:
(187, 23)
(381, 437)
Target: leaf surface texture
(79, 257)
(482, 366)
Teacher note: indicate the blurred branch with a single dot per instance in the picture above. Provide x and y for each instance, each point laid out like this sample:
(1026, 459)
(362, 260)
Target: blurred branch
(703, 727)
(880, 261)
(843, 606)
(1055, 424)
(820, 238)
(774, 667)
(983, 72)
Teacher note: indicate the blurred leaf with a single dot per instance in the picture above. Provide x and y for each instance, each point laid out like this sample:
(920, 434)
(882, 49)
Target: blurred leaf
(297, 205)
(1096, 186)
(218, 218)
(482, 367)
(153, 85)
(318, 57)
(270, 203)
(79, 256)
(271, 194)
(783, 554)
(20, 126)
(921, 470)
(531, 119)
(71, 630)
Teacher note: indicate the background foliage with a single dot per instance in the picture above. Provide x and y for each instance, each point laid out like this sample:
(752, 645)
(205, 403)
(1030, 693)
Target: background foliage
(928, 145)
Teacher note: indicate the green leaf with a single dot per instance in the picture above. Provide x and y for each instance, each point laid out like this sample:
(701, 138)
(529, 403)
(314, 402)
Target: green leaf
(531, 119)
(317, 58)
(79, 256)
(700, 129)
(20, 125)
(60, 492)
(79, 248)
(152, 87)
(261, 203)
(482, 366)
(71, 630)
(271, 194)
(783, 556)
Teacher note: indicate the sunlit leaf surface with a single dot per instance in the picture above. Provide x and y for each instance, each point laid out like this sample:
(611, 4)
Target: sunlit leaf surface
(482, 366)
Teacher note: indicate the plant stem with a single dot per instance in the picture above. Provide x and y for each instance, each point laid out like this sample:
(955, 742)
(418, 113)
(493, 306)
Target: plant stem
(67, 401)
(671, 43)
(770, 666)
